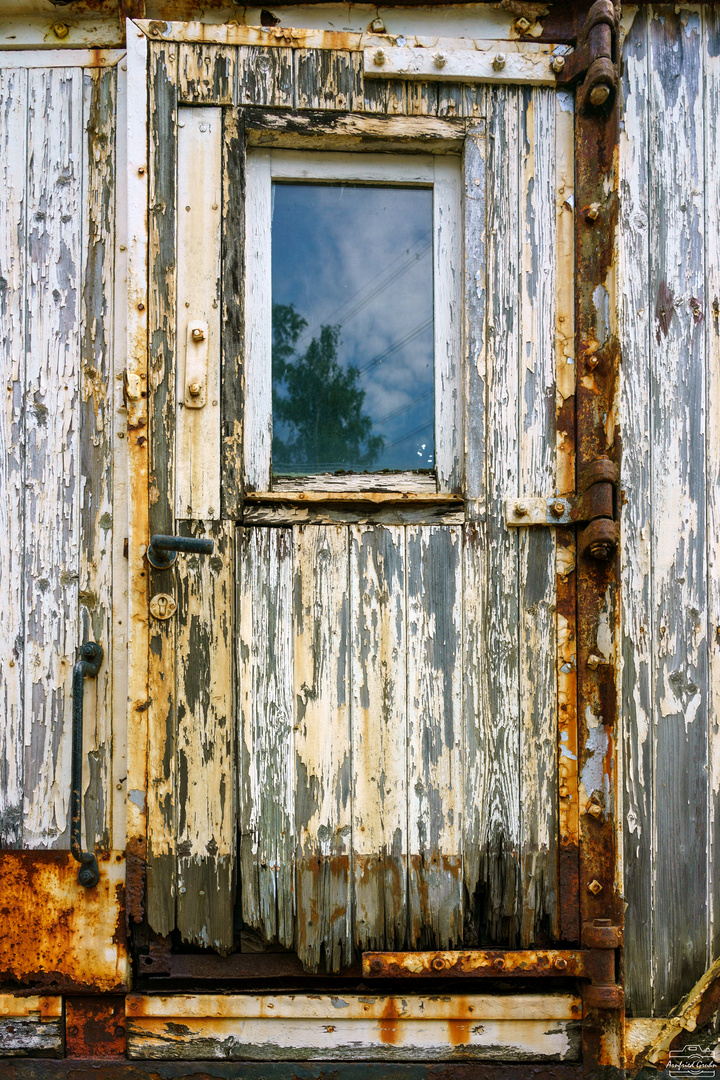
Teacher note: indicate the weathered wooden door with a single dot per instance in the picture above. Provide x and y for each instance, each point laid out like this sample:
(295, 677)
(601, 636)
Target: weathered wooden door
(361, 708)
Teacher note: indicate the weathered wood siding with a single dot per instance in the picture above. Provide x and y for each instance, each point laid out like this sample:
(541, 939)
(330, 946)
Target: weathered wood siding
(669, 235)
(57, 231)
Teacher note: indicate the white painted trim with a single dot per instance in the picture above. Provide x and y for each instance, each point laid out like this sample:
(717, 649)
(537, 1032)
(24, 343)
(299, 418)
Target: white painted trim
(493, 65)
(61, 58)
(443, 173)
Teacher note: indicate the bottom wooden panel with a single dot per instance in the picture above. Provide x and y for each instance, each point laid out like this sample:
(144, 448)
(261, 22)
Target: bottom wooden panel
(30, 1026)
(314, 1027)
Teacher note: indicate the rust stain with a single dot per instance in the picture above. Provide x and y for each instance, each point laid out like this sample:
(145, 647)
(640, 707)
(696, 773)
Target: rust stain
(664, 310)
(95, 1027)
(388, 1026)
(59, 936)
(459, 1032)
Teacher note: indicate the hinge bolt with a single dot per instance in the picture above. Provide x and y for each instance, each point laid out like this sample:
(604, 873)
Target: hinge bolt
(499, 963)
(561, 963)
(440, 59)
(592, 362)
(593, 661)
(499, 61)
(521, 509)
(557, 509)
(60, 30)
(438, 963)
(599, 95)
(194, 389)
(595, 887)
(522, 25)
(379, 57)
(594, 809)
(376, 965)
(198, 334)
(558, 63)
(593, 212)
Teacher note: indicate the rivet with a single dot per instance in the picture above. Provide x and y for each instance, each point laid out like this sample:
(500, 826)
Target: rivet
(593, 212)
(599, 95)
(558, 63)
(557, 508)
(522, 25)
(379, 57)
(201, 892)
(141, 170)
(72, 1031)
(521, 509)
(440, 59)
(141, 307)
(498, 61)
(60, 30)
(211, 510)
(376, 965)
(595, 887)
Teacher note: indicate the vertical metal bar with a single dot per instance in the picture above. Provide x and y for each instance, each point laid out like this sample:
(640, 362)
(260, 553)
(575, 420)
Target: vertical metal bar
(88, 665)
(596, 139)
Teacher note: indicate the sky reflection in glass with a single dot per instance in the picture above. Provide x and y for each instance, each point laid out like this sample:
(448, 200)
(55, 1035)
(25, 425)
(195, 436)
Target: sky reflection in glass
(352, 294)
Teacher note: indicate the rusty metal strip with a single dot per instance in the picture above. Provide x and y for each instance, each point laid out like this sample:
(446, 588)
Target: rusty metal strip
(597, 353)
(479, 964)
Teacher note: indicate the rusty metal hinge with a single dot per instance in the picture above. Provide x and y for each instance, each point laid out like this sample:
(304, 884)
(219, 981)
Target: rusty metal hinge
(594, 506)
(595, 58)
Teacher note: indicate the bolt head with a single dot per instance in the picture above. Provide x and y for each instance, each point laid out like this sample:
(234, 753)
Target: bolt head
(376, 965)
(499, 61)
(194, 389)
(379, 57)
(592, 362)
(595, 887)
(593, 211)
(522, 25)
(558, 63)
(86, 877)
(198, 334)
(593, 661)
(594, 809)
(557, 508)
(60, 30)
(440, 59)
(599, 95)
(560, 963)
(438, 963)
(499, 963)
(521, 509)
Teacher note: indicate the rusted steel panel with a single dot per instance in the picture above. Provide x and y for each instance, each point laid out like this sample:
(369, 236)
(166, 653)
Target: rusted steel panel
(57, 935)
(476, 964)
(95, 1027)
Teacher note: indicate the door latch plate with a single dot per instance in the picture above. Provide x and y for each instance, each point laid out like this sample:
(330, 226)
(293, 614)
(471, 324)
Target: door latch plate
(196, 364)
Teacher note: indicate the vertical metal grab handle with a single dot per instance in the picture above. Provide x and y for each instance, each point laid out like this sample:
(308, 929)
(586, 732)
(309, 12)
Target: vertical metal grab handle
(91, 658)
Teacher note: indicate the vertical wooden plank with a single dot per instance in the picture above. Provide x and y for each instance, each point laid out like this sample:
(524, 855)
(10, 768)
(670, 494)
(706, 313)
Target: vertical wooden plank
(265, 77)
(396, 97)
(678, 550)
(96, 443)
(435, 767)
(323, 79)
(197, 430)
(52, 492)
(161, 799)
(378, 678)
(13, 230)
(475, 258)
(537, 597)
(206, 787)
(499, 861)
(233, 297)
(422, 98)
(711, 36)
(257, 326)
(206, 74)
(265, 716)
(635, 329)
(322, 745)
(447, 316)
(451, 99)
(135, 306)
(374, 95)
(565, 557)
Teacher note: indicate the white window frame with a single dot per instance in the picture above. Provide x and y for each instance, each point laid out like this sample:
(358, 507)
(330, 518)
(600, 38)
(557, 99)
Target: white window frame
(443, 174)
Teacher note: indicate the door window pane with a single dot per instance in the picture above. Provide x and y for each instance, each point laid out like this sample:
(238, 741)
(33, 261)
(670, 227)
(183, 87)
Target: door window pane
(352, 311)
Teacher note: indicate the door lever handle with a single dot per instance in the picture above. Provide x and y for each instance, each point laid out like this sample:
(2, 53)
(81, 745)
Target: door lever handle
(162, 552)
(91, 655)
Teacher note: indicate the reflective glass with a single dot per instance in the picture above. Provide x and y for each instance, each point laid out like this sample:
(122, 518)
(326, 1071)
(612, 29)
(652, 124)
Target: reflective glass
(352, 312)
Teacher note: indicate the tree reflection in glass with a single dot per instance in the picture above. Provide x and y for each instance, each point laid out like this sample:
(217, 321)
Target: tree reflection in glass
(352, 322)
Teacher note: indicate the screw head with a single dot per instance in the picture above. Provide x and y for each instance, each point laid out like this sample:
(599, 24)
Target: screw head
(499, 61)
(558, 63)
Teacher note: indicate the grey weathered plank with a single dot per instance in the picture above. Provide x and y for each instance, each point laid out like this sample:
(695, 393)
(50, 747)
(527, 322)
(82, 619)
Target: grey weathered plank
(206, 74)
(322, 745)
(637, 704)
(270, 513)
(265, 77)
(422, 98)
(24, 1036)
(13, 229)
(53, 297)
(536, 422)
(319, 129)
(434, 726)
(266, 720)
(232, 342)
(378, 680)
(324, 79)
(499, 865)
(96, 424)
(678, 536)
(161, 796)
(206, 824)
(451, 99)
(711, 35)
(475, 255)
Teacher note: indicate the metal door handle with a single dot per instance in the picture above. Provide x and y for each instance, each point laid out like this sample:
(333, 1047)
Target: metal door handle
(163, 549)
(89, 664)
